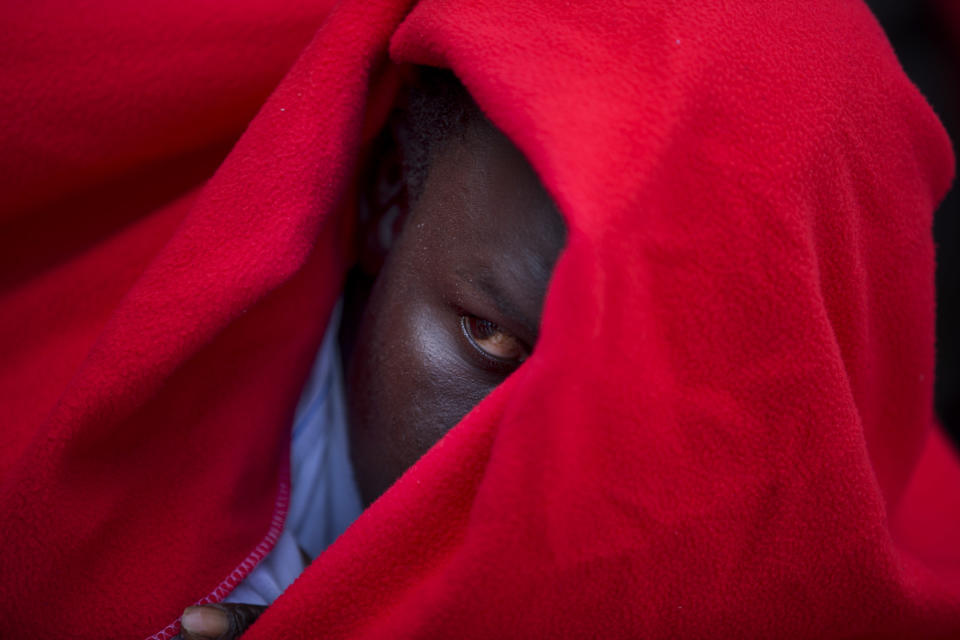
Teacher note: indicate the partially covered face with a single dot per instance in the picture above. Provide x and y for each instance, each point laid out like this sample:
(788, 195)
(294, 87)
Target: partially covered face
(456, 306)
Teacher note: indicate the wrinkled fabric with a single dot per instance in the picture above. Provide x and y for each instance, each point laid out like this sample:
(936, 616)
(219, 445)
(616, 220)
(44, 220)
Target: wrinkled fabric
(725, 429)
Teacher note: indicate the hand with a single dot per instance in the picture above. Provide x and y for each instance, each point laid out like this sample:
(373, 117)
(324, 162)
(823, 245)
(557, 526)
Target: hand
(221, 621)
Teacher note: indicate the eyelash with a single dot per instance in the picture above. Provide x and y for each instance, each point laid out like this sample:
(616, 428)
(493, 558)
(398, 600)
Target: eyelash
(489, 359)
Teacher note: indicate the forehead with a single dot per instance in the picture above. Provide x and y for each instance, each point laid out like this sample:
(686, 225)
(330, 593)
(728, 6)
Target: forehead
(483, 206)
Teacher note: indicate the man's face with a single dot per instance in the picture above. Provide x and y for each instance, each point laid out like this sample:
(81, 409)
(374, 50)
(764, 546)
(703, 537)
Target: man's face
(456, 307)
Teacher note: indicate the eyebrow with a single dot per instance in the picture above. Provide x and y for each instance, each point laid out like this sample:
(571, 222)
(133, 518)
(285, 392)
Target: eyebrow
(485, 280)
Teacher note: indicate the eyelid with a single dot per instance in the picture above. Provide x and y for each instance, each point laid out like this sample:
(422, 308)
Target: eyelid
(506, 312)
(468, 334)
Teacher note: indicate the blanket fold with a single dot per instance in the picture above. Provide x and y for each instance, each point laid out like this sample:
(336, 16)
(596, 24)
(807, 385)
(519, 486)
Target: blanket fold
(726, 427)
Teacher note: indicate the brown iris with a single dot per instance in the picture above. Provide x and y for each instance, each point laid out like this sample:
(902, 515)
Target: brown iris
(493, 341)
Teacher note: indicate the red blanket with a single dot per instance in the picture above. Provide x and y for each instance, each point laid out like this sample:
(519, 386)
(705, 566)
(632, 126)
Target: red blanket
(725, 429)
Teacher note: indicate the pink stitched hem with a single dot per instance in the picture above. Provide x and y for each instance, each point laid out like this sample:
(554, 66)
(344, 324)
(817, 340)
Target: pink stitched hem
(243, 569)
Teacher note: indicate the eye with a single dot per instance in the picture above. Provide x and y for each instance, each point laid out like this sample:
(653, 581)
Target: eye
(494, 342)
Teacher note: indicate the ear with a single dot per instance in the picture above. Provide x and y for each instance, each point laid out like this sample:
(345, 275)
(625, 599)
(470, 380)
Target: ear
(383, 201)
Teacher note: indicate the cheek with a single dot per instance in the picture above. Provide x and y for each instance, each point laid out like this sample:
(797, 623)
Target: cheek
(409, 384)
(448, 386)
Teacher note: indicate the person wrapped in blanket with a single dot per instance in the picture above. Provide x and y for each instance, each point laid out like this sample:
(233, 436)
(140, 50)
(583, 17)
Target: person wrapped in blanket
(458, 239)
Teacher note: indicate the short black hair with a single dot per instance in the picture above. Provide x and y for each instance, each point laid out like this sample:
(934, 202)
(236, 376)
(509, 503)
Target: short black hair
(437, 108)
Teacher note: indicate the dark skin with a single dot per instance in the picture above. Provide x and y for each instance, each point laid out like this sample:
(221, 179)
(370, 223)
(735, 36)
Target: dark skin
(456, 306)
(453, 310)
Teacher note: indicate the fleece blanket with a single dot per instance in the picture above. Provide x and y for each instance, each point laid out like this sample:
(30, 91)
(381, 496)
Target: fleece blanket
(726, 427)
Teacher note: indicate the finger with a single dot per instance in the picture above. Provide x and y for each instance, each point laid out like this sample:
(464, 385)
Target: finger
(221, 621)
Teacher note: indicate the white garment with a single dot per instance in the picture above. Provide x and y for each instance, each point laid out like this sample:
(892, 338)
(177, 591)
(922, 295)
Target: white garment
(324, 499)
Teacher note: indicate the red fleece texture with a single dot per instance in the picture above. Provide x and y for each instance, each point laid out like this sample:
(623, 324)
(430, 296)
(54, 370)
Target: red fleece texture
(725, 430)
